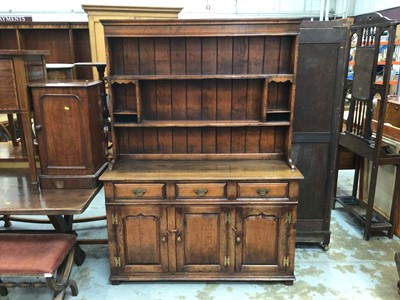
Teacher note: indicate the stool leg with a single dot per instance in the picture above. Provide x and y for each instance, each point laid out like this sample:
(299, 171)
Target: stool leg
(3, 290)
(62, 281)
(7, 222)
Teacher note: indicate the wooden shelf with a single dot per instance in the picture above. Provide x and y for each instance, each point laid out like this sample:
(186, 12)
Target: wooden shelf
(10, 153)
(124, 112)
(200, 123)
(358, 209)
(124, 79)
(278, 111)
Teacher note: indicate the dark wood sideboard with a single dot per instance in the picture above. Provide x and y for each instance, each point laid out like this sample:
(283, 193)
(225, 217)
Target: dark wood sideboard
(201, 184)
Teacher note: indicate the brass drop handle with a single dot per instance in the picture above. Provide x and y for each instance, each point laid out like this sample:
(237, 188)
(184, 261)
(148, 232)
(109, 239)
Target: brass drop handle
(178, 239)
(262, 192)
(38, 127)
(201, 192)
(238, 240)
(139, 192)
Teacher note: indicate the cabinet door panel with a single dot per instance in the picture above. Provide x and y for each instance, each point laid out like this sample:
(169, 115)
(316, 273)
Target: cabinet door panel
(61, 140)
(201, 239)
(142, 234)
(261, 239)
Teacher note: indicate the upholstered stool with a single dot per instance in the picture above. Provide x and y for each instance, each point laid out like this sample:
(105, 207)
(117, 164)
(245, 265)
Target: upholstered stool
(38, 255)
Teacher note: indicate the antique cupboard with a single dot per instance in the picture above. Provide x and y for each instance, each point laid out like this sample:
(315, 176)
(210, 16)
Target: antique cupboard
(69, 130)
(319, 88)
(201, 185)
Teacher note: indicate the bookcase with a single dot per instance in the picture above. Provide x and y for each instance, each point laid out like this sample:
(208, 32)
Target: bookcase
(200, 184)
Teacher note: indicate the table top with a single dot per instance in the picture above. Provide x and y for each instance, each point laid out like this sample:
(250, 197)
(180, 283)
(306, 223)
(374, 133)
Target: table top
(19, 197)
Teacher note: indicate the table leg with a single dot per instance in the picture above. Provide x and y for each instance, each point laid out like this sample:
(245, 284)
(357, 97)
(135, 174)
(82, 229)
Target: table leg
(63, 224)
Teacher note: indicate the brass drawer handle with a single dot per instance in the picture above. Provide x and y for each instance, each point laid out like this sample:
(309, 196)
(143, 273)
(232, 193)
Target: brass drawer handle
(139, 192)
(201, 192)
(262, 192)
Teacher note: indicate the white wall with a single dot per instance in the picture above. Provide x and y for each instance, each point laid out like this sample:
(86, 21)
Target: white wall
(71, 10)
(367, 6)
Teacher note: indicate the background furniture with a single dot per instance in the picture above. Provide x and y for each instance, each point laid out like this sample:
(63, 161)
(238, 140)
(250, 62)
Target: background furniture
(47, 256)
(69, 128)
(96, 13)
(358, 136)
(201, 186)
(66, 42)
(59, 205)
(320, 73)
(18, 68)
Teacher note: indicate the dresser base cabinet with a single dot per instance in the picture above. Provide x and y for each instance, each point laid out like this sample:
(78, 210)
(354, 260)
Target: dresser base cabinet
(183, 221)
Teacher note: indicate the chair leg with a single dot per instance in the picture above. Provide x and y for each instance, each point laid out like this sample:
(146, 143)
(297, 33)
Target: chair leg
(3, 290)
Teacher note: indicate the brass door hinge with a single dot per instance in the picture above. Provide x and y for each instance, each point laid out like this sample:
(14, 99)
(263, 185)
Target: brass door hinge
(286, 261)
(227, 218)
(117, 261)
(114, 219)
(288, 218)
(227, 261)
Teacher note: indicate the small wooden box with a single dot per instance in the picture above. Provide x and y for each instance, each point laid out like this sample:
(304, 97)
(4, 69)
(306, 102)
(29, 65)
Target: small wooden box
(69, 131)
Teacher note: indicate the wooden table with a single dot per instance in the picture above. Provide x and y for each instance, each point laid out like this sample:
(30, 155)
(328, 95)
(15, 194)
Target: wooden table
(20, 197)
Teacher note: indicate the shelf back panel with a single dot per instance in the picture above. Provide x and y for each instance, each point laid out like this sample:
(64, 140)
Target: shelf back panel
(201, 55)
(210, 140)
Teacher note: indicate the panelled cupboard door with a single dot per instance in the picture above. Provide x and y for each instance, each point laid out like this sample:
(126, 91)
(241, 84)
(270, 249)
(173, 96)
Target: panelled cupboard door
(201, 239)
(142, 238)
(59, 120)
(261, 239)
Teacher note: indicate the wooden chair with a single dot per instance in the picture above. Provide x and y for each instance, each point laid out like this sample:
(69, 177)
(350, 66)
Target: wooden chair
(359, 135)
(49, 256)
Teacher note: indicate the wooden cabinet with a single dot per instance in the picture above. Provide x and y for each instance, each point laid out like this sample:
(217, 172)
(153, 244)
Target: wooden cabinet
(69, 130)
(201, 185)
(194, 236)
(319, 89)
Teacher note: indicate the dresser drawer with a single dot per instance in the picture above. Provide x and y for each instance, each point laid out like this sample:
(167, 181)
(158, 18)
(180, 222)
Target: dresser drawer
(201, 190)
(139, 191)
(262, 190)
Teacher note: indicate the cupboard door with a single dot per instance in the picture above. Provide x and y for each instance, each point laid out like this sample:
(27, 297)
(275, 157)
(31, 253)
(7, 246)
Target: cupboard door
(60, 131)
(142, 238)
(261, 239)
(201, 239)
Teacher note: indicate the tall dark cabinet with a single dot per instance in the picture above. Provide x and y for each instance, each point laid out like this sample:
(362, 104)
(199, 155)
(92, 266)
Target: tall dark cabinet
(320, 75)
